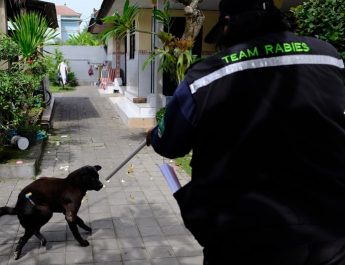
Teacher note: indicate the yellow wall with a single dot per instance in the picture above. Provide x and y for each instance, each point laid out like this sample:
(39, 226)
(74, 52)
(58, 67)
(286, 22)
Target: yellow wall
(144, 23)
(278, 3)
(211, 17)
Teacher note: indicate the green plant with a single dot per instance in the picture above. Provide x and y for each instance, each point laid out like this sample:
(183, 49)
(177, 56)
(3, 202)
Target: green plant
(72, 80)
(121, 24)
(17, 86)
(160, 114)
(52, 62)
(31, 32)
(118, 27)
(323, 19)
(184, 163)
(163, 16)
(56, 88)
(84, 38)
(176, 54)
(9, 50)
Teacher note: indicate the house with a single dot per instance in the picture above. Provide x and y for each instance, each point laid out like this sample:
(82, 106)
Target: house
(69, 22)
(10, 8)
(149, 86)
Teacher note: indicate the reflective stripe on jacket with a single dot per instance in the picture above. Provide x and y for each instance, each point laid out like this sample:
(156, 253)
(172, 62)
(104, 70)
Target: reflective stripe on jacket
(265, 120)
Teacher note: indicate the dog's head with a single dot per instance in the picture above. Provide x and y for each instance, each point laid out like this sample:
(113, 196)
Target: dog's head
(87, 177)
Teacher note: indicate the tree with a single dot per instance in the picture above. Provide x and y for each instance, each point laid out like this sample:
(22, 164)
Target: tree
(324, 20)
(194, 18)
(120, 25)
(176, 53)
(83, 38)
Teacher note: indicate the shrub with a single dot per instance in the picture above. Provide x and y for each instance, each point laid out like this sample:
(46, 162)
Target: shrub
(323, 19)
(17, 85)
(71, 79)
(53, 62)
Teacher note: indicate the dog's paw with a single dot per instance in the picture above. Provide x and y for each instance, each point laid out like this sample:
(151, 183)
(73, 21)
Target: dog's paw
(84, 243)
(43, 242)
(89, 229)
(16, 255)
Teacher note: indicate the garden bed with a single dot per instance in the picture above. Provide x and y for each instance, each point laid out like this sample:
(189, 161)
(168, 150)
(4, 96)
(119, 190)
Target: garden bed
(15, 163)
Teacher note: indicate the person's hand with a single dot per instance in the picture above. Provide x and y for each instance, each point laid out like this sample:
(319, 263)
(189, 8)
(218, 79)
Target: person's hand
(148, 137)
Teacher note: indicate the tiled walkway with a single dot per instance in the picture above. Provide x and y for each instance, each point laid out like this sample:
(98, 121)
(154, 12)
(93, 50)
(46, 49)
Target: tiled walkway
(135, 219)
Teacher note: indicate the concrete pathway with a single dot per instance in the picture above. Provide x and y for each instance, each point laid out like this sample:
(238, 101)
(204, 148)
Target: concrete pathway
(135, 218)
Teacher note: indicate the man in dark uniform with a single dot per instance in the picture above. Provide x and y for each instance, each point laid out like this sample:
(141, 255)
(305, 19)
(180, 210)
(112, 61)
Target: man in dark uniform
(265, 121)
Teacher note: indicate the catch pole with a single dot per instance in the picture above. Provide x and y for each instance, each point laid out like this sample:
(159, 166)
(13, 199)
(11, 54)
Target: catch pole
(141, 146)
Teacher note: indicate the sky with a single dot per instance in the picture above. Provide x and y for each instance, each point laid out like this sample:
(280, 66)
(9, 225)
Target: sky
(85, 7)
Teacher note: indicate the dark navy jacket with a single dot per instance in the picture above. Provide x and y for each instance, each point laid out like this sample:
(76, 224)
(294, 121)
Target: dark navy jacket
(265, 122)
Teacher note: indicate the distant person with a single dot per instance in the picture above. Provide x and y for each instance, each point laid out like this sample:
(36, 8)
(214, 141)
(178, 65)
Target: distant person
(265, 121)
(63, 71)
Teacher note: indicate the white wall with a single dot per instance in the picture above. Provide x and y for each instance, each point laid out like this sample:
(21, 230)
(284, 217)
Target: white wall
(80, 58)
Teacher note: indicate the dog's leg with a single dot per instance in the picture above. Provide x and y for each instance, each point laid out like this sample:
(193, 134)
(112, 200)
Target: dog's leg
(72, 220)
(81, 223)
(21, 243)
(76, 234)
(42, 239)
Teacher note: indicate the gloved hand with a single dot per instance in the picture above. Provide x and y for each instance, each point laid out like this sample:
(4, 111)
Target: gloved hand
(148, 137)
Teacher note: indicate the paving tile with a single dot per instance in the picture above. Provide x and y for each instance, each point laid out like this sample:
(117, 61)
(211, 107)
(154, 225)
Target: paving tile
(53, 258)
(106, 255)
(160, 240)
(196, 260)
(55, 236)
(4, 260)
(131, 242)
(185, 250)
(160, 252)
(52, 247)
(135, 219)
(134, 254)
(100, 233)
(166, 261)
(105, 244)
(150, 231)
(73, 257)
(25, 259)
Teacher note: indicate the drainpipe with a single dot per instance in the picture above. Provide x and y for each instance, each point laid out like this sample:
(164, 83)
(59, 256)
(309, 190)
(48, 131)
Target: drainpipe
(153, 44)
(3, 27)
(3, 17)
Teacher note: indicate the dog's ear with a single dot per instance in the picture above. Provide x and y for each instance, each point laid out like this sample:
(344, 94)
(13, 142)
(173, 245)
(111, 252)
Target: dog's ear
(97, 167)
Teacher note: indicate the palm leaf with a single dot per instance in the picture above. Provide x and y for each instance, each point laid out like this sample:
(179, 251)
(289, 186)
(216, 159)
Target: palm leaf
(121, 24)
(31, 32)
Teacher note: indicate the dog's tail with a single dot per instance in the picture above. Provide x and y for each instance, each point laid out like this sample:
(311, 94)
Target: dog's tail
(8, 211)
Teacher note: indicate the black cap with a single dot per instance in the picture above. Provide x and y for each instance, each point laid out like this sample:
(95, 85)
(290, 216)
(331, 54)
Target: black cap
(235, 7)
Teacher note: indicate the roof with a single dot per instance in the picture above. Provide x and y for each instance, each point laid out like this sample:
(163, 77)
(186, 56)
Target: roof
(98, 15)
(47, 9)
(66, 11)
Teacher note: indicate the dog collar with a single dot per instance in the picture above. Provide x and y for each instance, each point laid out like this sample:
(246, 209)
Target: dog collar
(28, 197)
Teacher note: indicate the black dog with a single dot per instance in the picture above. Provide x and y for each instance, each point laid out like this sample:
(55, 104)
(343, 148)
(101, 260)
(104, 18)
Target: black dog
(39, 200)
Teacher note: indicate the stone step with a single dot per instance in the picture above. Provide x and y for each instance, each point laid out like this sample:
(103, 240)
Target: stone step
(141, 115)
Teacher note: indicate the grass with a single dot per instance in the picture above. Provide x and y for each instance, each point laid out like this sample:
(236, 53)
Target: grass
(57, 89)
(183, 163)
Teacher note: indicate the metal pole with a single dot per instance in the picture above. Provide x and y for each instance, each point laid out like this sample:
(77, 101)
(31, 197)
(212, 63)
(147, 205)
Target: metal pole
(141, 146)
